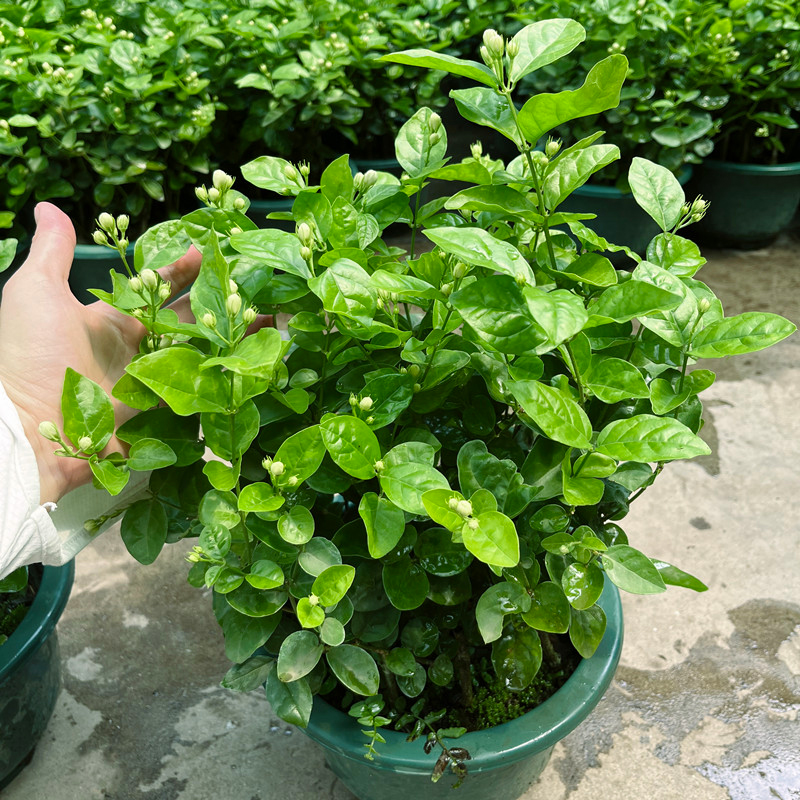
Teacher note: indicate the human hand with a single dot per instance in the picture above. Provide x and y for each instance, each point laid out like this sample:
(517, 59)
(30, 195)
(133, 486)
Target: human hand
(44, 329)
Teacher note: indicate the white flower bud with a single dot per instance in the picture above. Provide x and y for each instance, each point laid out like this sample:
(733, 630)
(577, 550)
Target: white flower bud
(292, 480)
(552, 147)
(704, 305)
(306, 253)
(164, 291)
(209, 319)
(473, 524)
(99, 237)
(213, 194)
(370, 420)
(304, 233)
(370, 178)
(136, 284)
(106, 222)
(434, 122)
(249, 315)
(85, 443)
(221, 180)
(459, 270)
(493, 42)
(49, 431)
(379, 465)
(149, 278)
(512, 48)
(233, 304)
(464, 508)
(289, 172)
(365, 403)
(202, 193)
(239, 203)
(234, 230)
(453, 503)
(123, 220)
(276, 468)
(266, 462)
(476, 149)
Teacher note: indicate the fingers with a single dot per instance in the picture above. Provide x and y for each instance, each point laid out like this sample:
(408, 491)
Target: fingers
(262, 321)
(183, 271)
(53, 244)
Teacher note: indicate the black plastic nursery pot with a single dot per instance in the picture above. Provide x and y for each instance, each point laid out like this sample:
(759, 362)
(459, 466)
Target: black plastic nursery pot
(505, 759)
(620, 220)
(750, 203)
(30, 673)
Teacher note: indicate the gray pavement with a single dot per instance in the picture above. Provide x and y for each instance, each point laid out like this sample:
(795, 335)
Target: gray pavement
(704, 704)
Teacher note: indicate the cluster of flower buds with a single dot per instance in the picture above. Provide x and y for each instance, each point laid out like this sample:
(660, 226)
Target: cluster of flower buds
(221, 184)
(464, 509)
(364, 180)
(435, 127)
(552, 147)
(150, 285)
(111, 232)
(694, 211)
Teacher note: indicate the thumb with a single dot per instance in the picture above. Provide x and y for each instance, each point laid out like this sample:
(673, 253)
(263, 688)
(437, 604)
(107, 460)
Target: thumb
(53, 243)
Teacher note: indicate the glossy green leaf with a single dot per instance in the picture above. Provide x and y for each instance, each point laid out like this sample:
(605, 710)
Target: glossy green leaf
(557, 414)
(318, 555)
(592, 269)
(586, 629)
(254, 602)
(414, 148)
(439, 555)
(542, 43)
(301, 455)
(147, 454)
(219, 508)
(418, 57)
(631, 570)
(144, 530)
(332, 632)
(413, 685)
(633, 298)
(220, 475)
(495, 199)
(259, 497)
(744, 333)
(675, 254)
(437, 505)
(300, 651)
(134, 393)
(249, 675)
(308, 614)
(647, 438)
(582, 585)
(573, 169)
(657, 191)
(391, 395)
(486, 107)
(675, 325)
(87, 412)
(291, 701)
(384, 522)
(405, 484)
(296, 526)
(400, 661)
(255, 356)
(243, 634)
(355, 668)
(549, 610)
(331, 585)
(406, 584)
(108, 475)
(265, 574)
(493, 539)
(600, 92)
(673, 576)
(614, 380)
(344, 288)
(517, 657)
(493, 605)
(352, 445)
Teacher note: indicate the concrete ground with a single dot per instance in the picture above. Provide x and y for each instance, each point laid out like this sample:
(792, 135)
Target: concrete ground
(705, 702)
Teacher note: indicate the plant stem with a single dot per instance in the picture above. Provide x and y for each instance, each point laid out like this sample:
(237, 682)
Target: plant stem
(576, 373)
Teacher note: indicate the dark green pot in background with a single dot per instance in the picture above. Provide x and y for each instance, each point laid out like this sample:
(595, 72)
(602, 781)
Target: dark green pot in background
(750, 203)
(505, 759)
(90, 267)
(30, 673)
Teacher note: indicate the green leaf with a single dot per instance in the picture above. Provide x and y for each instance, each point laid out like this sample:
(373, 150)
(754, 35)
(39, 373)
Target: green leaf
(256, 356)
(405, 583)
(400, 661)
(549, 610)
(243, 634)
(517, 658)
(657, 191)
(633, 298)
(405, 483)
(269, 172)
(497, 601)
(413, 146)
(87, 412)
(134, 393)
(219, 508)
(161, 245)
(582, 584)
(495, 199)
(111, 477)
(332, 632)
(384, 522)
(391, 395)
(182, 434)
(439, 555)
(147, 454)
(344, 288)
(249, 675)
(259, 497)
(600, 92)
(477, 246)
(337, 180)
(647, 438)
(673, 576)
(144, 530)
(291, 701)
(614, 380)
(8, 251)
(15, 581)
(297, 525)
(572, 169)
(318, 555)
(355, 668)
(273, 248)
(494, 541)
(437, 505)
(675, 325)
(557, 414)
(254, 602)
(675, 254)
(265, 574)
(299, 654)
(308, 614)
(744, 333)
(301, 454)
(487, 107)
(351, 444)
(592, 269)
(413, 685)
(586, 629)
(418, 57)
(582, 490)
(542, 43)
(631, 570)
(228, 436)
(175, 376)
(332, 584)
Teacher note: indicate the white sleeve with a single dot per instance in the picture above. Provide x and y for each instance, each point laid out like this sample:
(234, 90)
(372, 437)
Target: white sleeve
(31, 532)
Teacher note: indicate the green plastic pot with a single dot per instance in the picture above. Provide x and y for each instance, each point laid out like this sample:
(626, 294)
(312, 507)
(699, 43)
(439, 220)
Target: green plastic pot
(91, 265)
(505, 759)
(30, 673)
(750, 203)
(259, 209)
(620, 219)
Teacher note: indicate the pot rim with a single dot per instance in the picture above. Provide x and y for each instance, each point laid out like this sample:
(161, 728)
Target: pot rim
(99, 252)
(791, 168)
(40, 621)
(538, 730)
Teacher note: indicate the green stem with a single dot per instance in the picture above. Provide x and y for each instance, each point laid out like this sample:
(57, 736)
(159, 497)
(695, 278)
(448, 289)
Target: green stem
(576, 373)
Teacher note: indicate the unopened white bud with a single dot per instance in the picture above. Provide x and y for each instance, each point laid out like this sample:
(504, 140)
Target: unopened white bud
(434, 122)
(49, 431)
(233, 304)
(106, 222)
(290, 172)
(493, 41)
(304, 233)
(552, 147)
(476, 149)
(136, 284)
(370, 420)
(464, 508)
(221, 180)
(239, 203)
(512, 48)
(209, 319)
(277, 468)
(379, 465)
(365, 403)
(99, 237)
(370, 178)
(149, 278)
(85, 443)
(473, 524)
(123, 220)
(266, 462)
(164, 291)
(306, 253)
(249, 315)
(213, 194)
(453, 503)
(704, 305)
(292, 480)
(202, 193)
(459, 270)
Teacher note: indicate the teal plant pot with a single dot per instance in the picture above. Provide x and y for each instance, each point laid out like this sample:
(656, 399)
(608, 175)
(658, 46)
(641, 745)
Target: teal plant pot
(620, 220)
(91, 265)
(259, 209)
(505, 759)
(750, 203)
(30, 673)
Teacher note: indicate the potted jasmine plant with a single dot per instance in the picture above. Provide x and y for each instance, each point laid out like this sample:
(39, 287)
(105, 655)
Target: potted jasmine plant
(411, 519)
